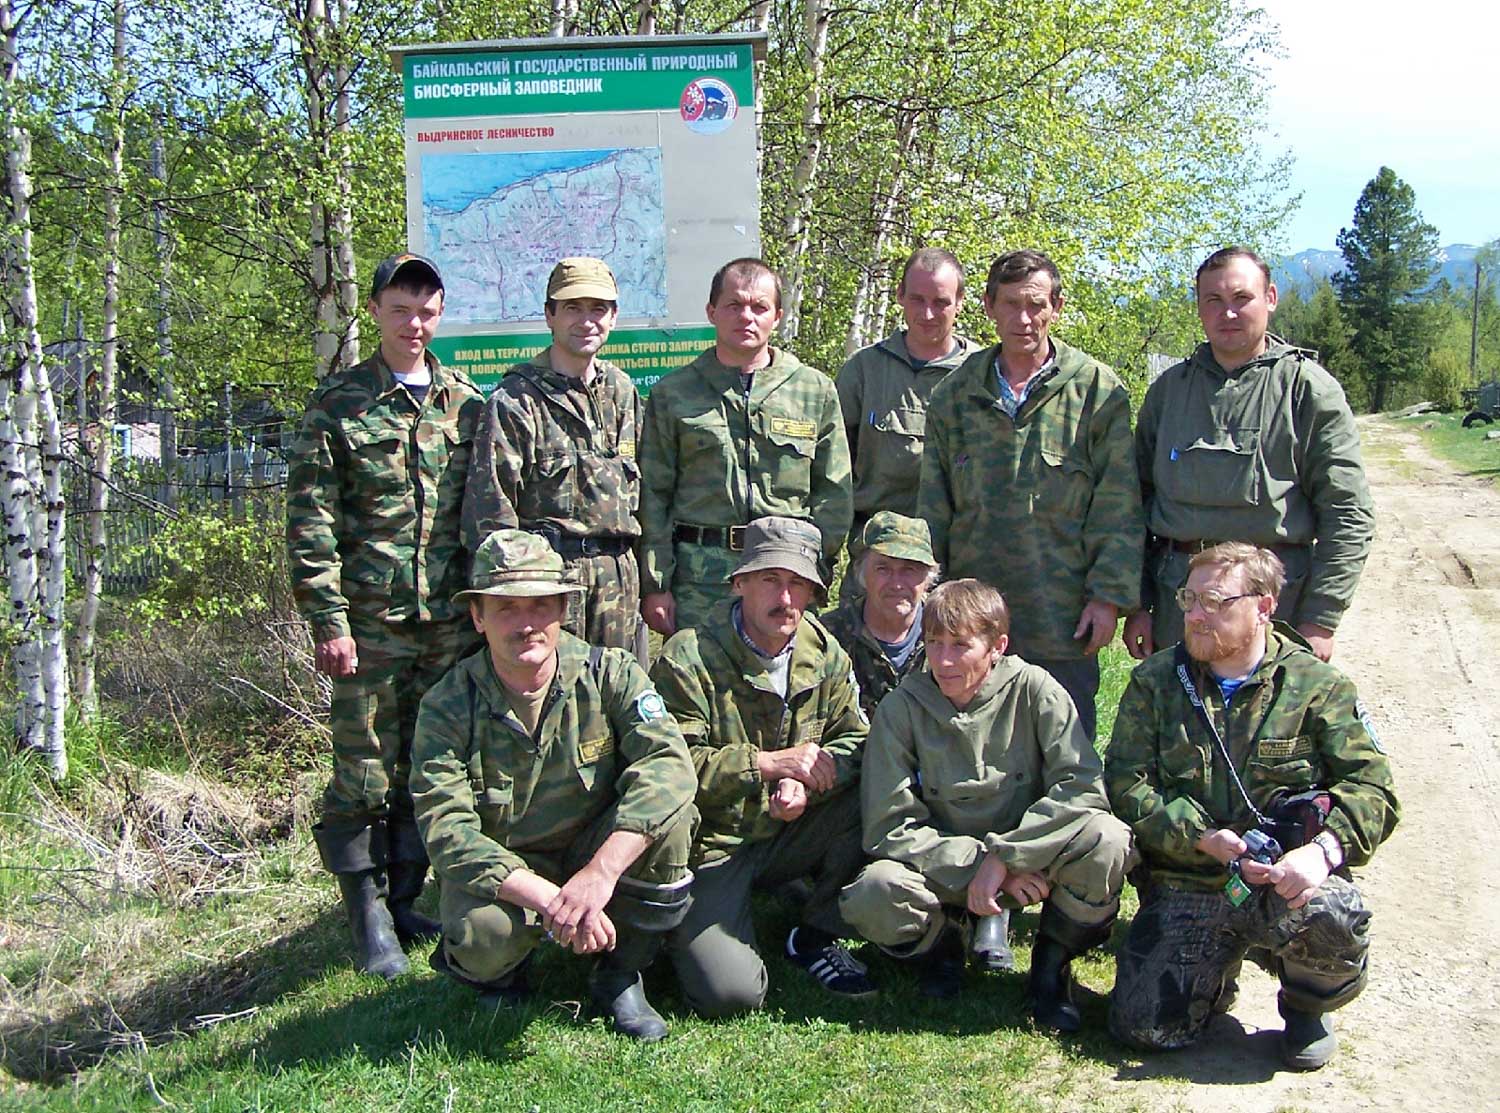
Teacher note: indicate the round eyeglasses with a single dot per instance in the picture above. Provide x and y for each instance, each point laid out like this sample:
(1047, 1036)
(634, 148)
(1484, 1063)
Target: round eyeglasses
(1211, 601)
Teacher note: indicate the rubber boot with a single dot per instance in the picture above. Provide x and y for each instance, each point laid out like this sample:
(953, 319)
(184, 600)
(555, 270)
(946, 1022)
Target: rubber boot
(992, 943)
(510, 992)
(406, 887)
(940, 971)
(376, 949)
(1308, 1041)
(1049, 987)
(616, 986)
(356, 856)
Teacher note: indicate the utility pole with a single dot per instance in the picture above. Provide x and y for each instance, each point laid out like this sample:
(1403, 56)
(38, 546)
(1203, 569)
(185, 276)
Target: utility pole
(1474, 331)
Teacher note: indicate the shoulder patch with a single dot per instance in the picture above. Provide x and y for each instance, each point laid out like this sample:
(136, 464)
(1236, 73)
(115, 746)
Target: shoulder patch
(650, 706)
(859, 704)
(1364, 717)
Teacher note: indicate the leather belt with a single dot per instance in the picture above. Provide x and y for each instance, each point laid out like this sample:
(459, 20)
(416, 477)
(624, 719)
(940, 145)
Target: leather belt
(570, 547)
(725, 537)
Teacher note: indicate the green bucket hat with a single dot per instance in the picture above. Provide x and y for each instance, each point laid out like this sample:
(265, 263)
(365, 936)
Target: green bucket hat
(514, 562)
(898, 536)
(788, 543)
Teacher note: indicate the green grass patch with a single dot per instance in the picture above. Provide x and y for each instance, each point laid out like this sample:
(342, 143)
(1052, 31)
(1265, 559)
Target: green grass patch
(1466, 449)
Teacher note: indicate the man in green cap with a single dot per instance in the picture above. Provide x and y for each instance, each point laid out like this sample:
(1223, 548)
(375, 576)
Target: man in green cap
(554, 793)
(373, 502)
(1250, 440)
(768, 704)
(1028, 481)
(744, 430)
(556, 455)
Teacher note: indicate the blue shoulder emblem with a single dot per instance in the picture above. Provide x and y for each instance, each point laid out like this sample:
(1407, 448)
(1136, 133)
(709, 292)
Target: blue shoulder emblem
(650, 706)
(1369, 724)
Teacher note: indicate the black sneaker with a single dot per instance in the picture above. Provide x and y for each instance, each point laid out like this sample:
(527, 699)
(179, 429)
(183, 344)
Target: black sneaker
(835, 969)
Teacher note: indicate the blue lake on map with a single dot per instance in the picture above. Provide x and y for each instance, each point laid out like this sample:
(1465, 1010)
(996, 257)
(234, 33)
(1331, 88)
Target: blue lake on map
(451, 183)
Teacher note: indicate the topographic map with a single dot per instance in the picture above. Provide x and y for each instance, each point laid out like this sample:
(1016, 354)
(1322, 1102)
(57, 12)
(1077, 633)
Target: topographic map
(496, 223)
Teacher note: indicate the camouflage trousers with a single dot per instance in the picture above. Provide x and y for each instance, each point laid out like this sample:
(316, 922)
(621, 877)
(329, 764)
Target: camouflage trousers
(714, 953)
(1169, 570)
(484, 940)
(1180, 945)
(701, 581)
(609, 611)
(373, 716)
(899, 910)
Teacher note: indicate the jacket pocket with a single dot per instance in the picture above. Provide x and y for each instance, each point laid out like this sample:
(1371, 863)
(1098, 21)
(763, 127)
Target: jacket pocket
(377, 460)
(791, 442)
(551, 489)
(1220, 469)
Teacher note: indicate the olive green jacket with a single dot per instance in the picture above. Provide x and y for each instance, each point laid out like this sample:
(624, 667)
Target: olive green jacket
(1296, 724)
(720, 692)
(1011, 774)
(484, 789)
(1267, 454)
(1045, 507)
(374, 496)
(710, 456)
(884, 401)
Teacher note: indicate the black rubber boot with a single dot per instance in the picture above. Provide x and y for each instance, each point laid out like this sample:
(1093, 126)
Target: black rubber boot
(376, 949)
(616, 986)
(992, 943)
(406, 887)
(1308, 1040)
(356, 856)
(1059, 940)
(940, 972)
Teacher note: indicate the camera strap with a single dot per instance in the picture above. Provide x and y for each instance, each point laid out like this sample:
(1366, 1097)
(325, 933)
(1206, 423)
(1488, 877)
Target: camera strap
(1184, 676)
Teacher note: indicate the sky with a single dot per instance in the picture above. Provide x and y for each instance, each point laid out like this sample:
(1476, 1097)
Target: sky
(1412, 86)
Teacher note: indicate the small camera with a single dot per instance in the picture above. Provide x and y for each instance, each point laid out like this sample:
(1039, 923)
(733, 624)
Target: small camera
(1261, 847)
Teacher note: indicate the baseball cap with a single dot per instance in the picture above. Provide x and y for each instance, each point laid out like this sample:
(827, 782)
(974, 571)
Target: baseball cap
(514, 562)
(392, 265)
(582, 277)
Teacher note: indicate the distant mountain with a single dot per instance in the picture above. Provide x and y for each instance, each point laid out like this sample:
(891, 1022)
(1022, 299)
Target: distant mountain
(1306, 269)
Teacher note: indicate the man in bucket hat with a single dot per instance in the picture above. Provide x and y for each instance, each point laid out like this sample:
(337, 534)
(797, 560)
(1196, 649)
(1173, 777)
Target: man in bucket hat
(372, 507)
(556, 455)
(770, 709)
(554, 793)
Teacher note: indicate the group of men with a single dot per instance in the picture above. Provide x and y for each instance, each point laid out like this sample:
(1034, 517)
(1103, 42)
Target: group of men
(918, 762)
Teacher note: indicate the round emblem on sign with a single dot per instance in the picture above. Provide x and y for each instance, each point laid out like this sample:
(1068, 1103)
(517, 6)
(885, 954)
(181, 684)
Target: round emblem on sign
(708, 106)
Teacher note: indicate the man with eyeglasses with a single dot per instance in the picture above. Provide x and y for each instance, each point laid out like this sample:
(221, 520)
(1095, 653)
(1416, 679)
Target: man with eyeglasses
(1249, 440)
(1240, 732)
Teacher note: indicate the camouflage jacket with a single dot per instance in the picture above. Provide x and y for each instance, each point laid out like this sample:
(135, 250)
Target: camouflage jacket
(722, 697)
(374, 497)
(1011, 775)
(551, 450)
(1046, 507)
(1296, 724)
(484, 790)
(872, 668)
(710, 456)
(1268, 454)
(884, 402)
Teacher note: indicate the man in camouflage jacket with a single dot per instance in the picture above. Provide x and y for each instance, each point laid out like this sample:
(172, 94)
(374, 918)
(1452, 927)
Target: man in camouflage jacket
(1250, 440)
(554, 794)
(1028, 482)
(556, 455)
(373, 502)
(1290, 724)
(768, 704)
(744, 430)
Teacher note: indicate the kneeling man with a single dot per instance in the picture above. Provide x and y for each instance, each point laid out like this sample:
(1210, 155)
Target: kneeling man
(769, 707)
(981, 793)
(1238, 732)
(554, 793)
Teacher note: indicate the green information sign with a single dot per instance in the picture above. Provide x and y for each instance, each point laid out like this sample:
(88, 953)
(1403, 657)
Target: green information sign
(645, 354)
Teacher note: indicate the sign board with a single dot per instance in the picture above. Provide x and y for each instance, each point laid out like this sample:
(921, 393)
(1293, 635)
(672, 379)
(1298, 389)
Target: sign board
(639, 151)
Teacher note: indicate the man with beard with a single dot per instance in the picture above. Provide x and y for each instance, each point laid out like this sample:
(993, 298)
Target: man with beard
(1240, 731)
(768, 704)
(554, 794)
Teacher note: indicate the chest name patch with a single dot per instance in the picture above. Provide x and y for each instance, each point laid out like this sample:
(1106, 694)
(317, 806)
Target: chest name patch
(787, 427)
(593, 749)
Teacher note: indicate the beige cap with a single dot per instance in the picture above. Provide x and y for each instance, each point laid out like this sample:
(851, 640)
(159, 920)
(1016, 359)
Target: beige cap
(788, 543)
(582, 277)
(514, 562)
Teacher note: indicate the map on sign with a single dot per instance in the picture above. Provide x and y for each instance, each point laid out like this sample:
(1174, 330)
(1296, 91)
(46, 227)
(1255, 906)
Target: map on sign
(496, 223)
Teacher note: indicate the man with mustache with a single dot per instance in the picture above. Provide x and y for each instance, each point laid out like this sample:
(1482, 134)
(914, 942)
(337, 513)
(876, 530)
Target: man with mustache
(1241, 730)
(554, 793)
(1250, 440)
(1028, 482)
(768, 704)
(743, 431)
(556, 455)
(373, 544)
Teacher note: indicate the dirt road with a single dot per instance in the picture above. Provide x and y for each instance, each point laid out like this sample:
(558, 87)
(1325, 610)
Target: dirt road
(1422, 641)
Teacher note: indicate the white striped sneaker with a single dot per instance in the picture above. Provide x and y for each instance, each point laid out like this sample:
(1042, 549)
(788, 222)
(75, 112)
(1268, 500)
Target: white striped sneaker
(835, 969)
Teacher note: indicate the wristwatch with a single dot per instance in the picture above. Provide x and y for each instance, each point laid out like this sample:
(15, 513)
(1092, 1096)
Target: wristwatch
(1333, 853)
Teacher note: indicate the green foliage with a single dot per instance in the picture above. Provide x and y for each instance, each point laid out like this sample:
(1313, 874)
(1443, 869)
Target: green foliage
(1388, 261)
(1318, 323)
(213, 568)
(1443, 380)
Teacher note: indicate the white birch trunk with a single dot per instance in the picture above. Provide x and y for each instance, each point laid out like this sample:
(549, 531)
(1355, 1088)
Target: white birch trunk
(342, 226)
(97, 549)
(316, 76)
(31, 502)
(797, 231)
(867, 318)
(165, 375)
(645, 17)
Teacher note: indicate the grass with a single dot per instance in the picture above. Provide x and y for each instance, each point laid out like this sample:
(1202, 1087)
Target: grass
(1467, 449)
